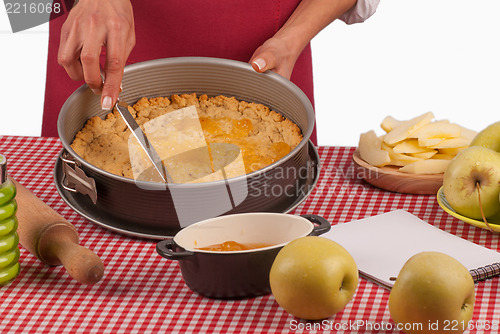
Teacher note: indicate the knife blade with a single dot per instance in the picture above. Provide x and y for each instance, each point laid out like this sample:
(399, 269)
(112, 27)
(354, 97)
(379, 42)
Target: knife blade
(146, 145)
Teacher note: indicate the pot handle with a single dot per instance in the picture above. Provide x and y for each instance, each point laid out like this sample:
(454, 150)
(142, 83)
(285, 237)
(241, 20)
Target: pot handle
(321, 224)
(74, 178)
(165, 248)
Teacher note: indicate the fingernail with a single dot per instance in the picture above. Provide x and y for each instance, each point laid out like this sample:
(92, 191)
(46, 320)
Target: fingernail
(97, 91)
(260, 63)
(106, 103)
(121, 87)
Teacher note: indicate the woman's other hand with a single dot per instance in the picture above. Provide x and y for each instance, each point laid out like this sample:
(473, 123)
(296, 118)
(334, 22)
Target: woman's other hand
(280, 52)
(275, 55)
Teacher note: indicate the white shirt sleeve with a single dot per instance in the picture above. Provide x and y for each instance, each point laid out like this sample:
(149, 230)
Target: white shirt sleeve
(361, 11)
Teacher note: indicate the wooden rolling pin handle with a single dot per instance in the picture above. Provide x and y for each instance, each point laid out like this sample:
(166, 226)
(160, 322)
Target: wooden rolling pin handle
(53, 240)
(58, 244)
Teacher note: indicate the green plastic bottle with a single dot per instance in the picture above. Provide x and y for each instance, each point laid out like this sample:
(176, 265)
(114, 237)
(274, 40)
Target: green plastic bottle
(9, 240)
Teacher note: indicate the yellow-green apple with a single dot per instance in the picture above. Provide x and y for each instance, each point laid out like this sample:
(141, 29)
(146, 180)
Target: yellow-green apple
(433, 293)
(313, 278)
(471, 182)
(489, 137)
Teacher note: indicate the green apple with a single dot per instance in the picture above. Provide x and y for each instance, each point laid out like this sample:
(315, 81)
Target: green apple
(433, 293)
(472, 182)
(313, 278)
(489, 137)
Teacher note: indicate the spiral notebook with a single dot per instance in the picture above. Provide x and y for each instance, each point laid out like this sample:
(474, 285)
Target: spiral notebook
(382, 244)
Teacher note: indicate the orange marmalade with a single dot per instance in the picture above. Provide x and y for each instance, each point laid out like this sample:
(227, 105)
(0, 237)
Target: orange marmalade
(227, 130)
(232, 246)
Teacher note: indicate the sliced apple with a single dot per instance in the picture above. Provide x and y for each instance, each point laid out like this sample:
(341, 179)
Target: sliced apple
(452, 150)
(424, 155)
(452, 143)
(370, 149)
(411, 143)
(443, 156)
(430, 166)
(429, 142)
(407, 128)
(389, 123)
(467, 133)
(398, 159)
(439, 129)
(410, 146)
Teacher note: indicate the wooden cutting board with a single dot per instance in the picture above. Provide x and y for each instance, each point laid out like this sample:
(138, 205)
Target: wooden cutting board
(388, 178)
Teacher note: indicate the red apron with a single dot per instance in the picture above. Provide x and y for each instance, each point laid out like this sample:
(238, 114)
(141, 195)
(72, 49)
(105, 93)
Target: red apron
(175, 28)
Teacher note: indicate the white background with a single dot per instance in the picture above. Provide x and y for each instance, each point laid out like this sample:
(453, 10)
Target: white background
(409, 58)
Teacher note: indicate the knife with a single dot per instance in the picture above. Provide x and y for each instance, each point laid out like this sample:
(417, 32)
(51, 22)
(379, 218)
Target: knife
(146, 145)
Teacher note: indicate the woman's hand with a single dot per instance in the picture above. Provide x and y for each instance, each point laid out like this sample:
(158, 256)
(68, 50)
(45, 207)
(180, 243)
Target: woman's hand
(275, 55)
(90, 26)
(280, 52)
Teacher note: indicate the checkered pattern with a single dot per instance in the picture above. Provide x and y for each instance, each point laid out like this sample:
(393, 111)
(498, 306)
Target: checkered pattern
(144, 293)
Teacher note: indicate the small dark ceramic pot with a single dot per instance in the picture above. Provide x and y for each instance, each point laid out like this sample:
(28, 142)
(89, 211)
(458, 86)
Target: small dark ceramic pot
(236, 274)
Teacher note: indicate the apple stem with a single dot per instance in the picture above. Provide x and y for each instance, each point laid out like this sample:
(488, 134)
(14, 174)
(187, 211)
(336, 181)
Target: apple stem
(481, 207)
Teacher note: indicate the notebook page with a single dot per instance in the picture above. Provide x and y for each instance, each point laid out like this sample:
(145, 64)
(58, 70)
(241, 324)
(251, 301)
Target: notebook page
(382, 244)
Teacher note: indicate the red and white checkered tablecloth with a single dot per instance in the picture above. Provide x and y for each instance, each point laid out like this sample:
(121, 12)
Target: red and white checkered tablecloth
(142, 292)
